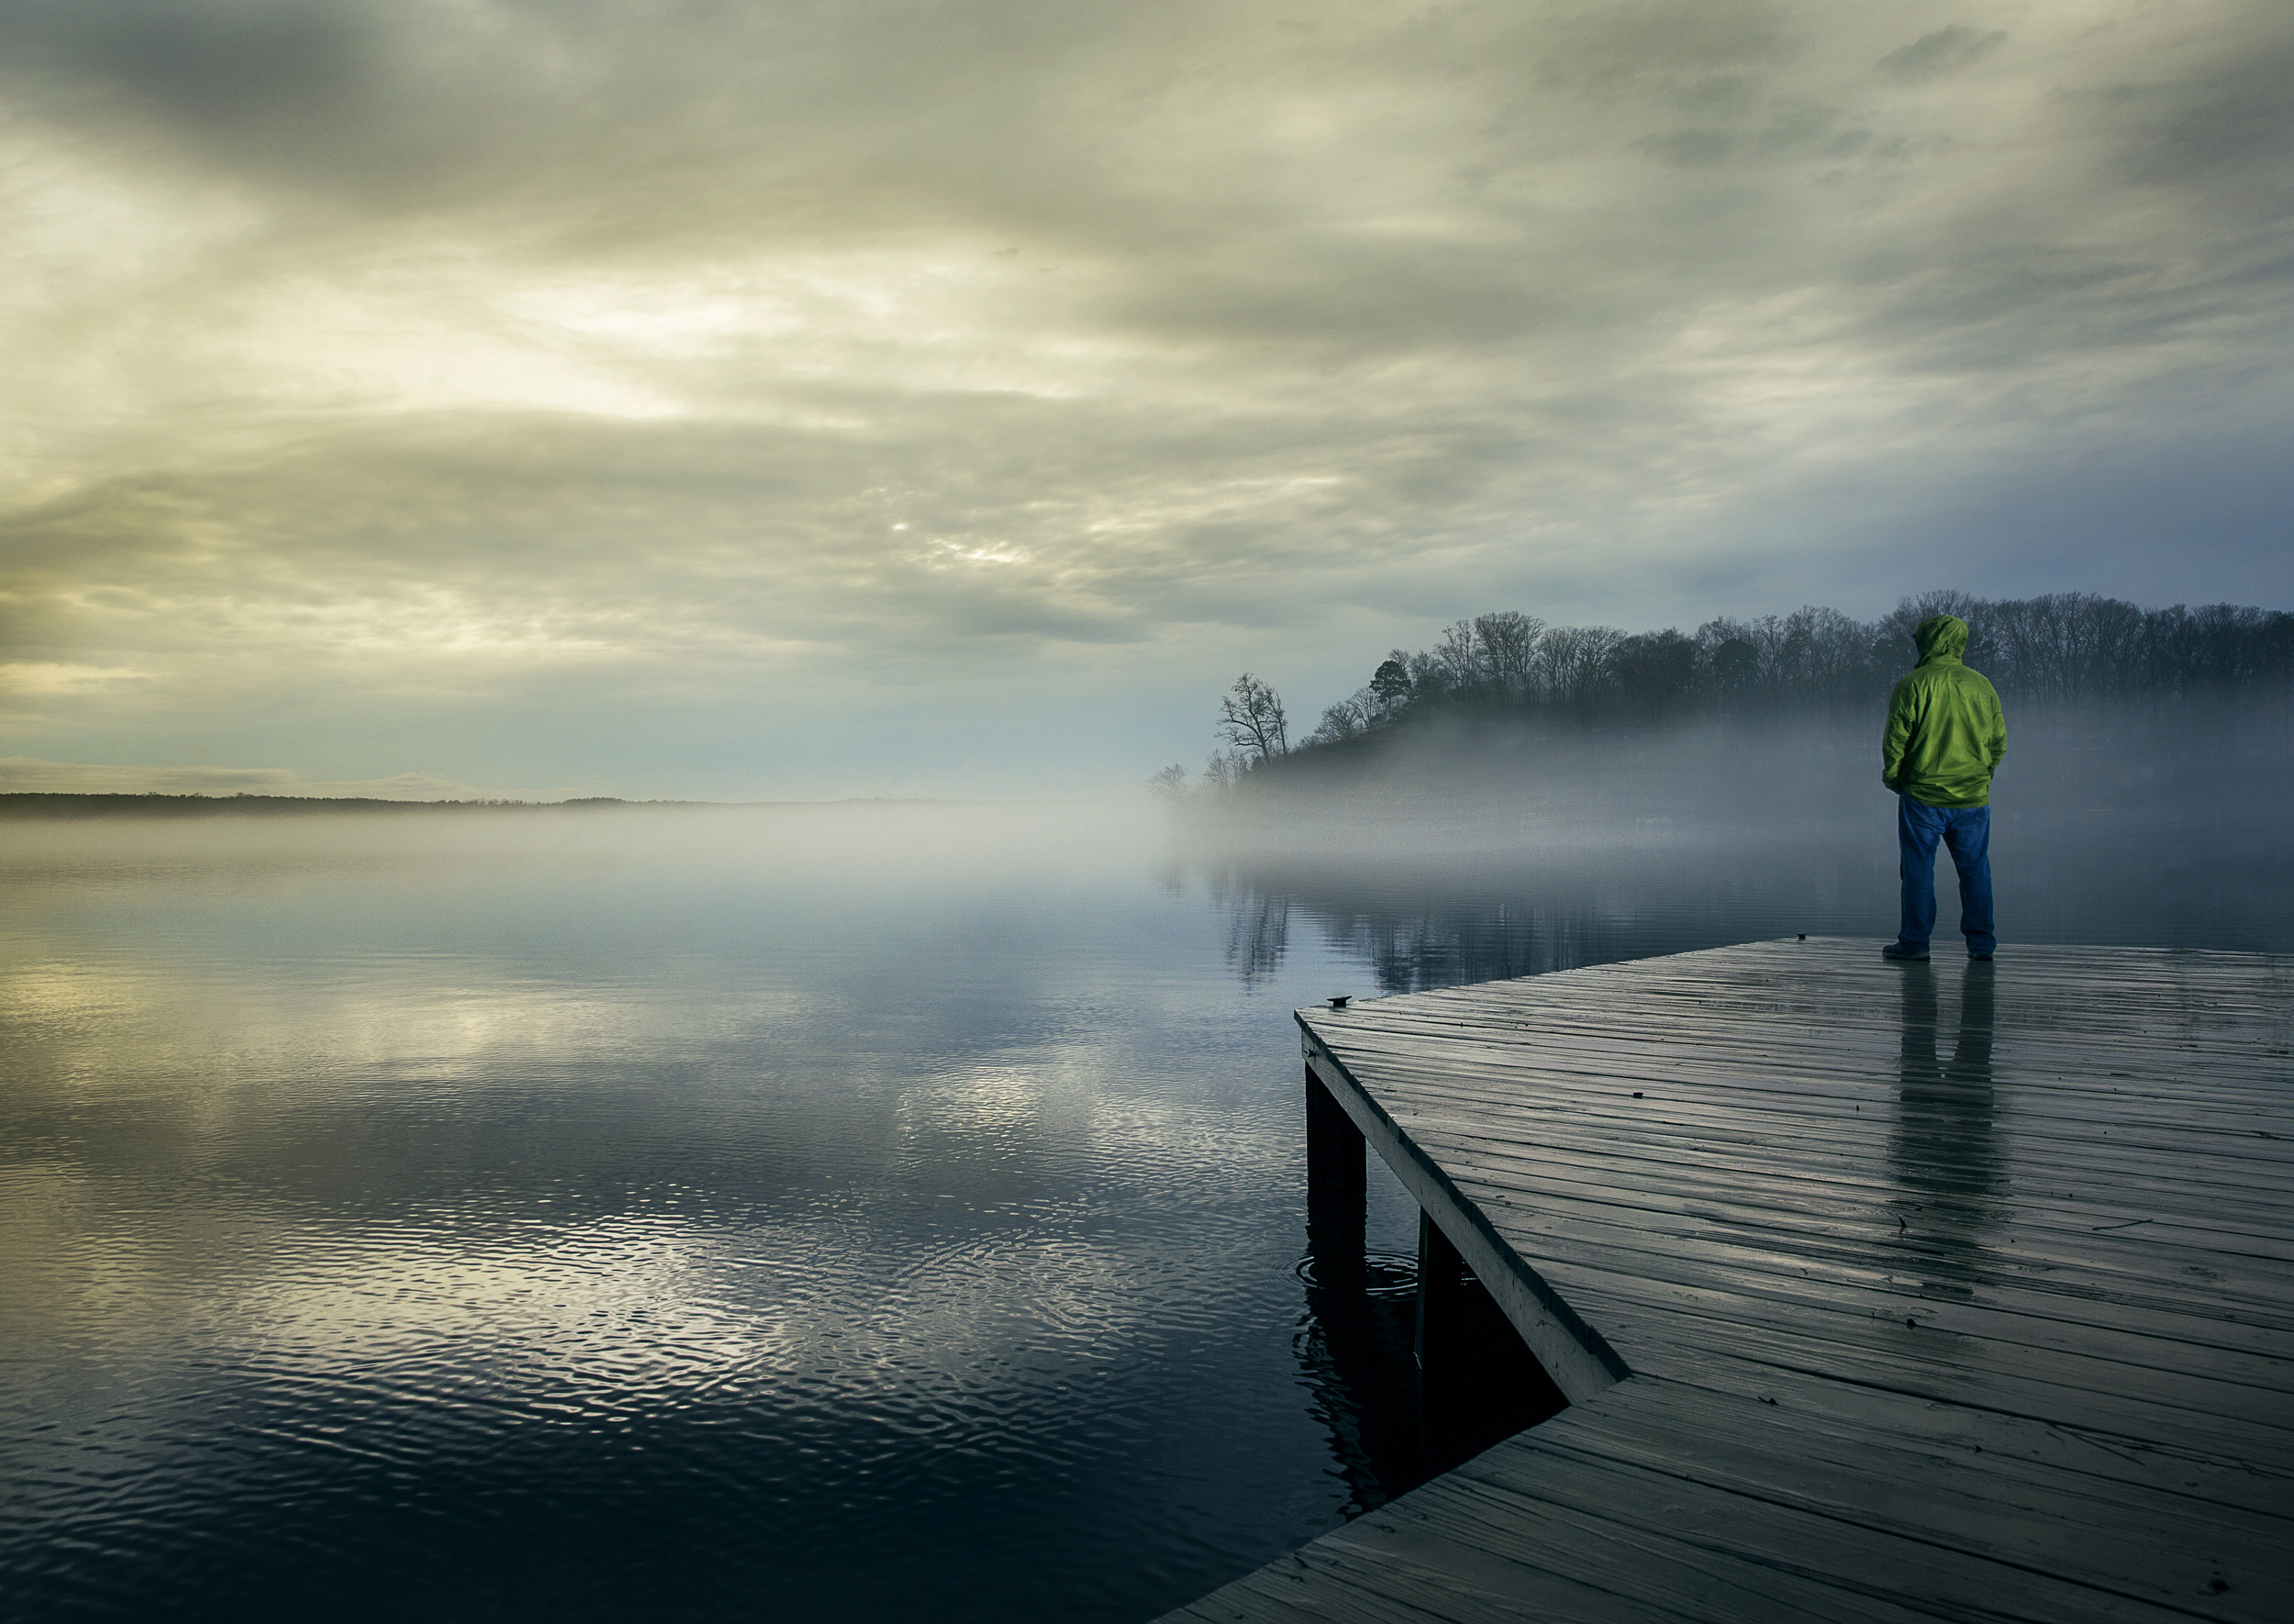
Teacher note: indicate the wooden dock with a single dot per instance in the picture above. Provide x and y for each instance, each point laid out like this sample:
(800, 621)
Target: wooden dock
(1879, 1291)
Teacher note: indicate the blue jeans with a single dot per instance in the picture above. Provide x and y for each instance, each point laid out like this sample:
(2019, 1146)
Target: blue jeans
(1966, 831)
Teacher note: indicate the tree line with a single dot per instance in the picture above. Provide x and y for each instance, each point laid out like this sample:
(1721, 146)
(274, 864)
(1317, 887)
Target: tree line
(2057, 650)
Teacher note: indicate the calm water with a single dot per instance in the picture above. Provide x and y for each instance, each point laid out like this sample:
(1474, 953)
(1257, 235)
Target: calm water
(683, 1214)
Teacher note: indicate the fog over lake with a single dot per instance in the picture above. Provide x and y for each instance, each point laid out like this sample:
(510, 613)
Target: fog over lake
(588, 1212)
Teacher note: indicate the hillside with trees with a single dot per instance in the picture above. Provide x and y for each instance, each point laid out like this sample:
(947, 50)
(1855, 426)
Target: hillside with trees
(2063, 651)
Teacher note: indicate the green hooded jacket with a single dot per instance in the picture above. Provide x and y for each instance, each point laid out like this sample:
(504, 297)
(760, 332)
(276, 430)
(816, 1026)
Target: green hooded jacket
(1945, 735)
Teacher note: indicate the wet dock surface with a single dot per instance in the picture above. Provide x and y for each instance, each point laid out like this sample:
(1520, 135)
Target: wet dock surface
(1878, 1291)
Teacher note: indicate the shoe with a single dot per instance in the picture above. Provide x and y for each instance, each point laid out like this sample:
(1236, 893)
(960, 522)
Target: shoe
(1904, 955)
(1980, 958)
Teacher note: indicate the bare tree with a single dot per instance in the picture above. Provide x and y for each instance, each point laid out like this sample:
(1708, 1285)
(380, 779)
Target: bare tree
(1460, 658)
(1509, 645)
(1251, 718)
(1830, 655)
(1655, 671)
(1728, 659)
(1772, 638)
(1573, 662)
(1349, 718)
(1169, 784)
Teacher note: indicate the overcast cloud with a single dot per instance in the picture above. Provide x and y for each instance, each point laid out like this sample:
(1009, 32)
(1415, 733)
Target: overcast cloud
(774, 399)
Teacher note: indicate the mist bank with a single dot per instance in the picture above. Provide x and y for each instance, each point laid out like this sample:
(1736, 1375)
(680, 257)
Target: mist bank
(863, 844)
(1510, 733)
(1478, 849)
(2215, 768)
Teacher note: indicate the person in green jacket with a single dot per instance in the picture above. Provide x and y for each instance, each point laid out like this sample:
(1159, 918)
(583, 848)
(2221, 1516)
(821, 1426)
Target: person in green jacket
(1944, 738)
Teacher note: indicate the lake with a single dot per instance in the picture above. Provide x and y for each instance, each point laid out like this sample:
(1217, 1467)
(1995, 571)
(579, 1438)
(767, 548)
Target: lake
(813, 1212)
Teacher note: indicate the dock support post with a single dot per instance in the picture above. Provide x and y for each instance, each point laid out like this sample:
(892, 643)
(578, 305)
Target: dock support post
(1438, 1267)
(1337, 1193)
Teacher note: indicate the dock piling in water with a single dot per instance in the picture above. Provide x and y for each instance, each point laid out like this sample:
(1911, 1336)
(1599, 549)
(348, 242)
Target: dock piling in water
(1438, 1266)
(1337, 1187)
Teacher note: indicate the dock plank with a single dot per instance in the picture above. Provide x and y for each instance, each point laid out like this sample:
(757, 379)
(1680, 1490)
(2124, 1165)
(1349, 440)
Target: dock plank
(1892, 1292)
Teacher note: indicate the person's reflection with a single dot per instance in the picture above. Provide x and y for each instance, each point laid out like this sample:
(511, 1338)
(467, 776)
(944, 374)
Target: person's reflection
(1944, 1153)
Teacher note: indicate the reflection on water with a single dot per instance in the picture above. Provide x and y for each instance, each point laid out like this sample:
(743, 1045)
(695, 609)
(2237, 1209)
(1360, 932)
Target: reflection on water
(1413, 921)
(1258, 930)
(1413, 925)
(672, 1218)
(1943, 1152)
(1354, 1347)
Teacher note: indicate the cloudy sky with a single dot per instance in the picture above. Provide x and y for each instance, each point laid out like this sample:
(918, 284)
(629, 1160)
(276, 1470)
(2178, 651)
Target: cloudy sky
(777, 399)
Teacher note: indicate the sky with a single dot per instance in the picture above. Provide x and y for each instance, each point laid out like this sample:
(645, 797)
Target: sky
(762, 400)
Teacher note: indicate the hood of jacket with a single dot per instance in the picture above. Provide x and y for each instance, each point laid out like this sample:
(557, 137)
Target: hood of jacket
(1940, 637)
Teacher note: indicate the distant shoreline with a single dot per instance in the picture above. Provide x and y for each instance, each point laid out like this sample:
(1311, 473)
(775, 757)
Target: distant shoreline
(21, 803)
(22, 806)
